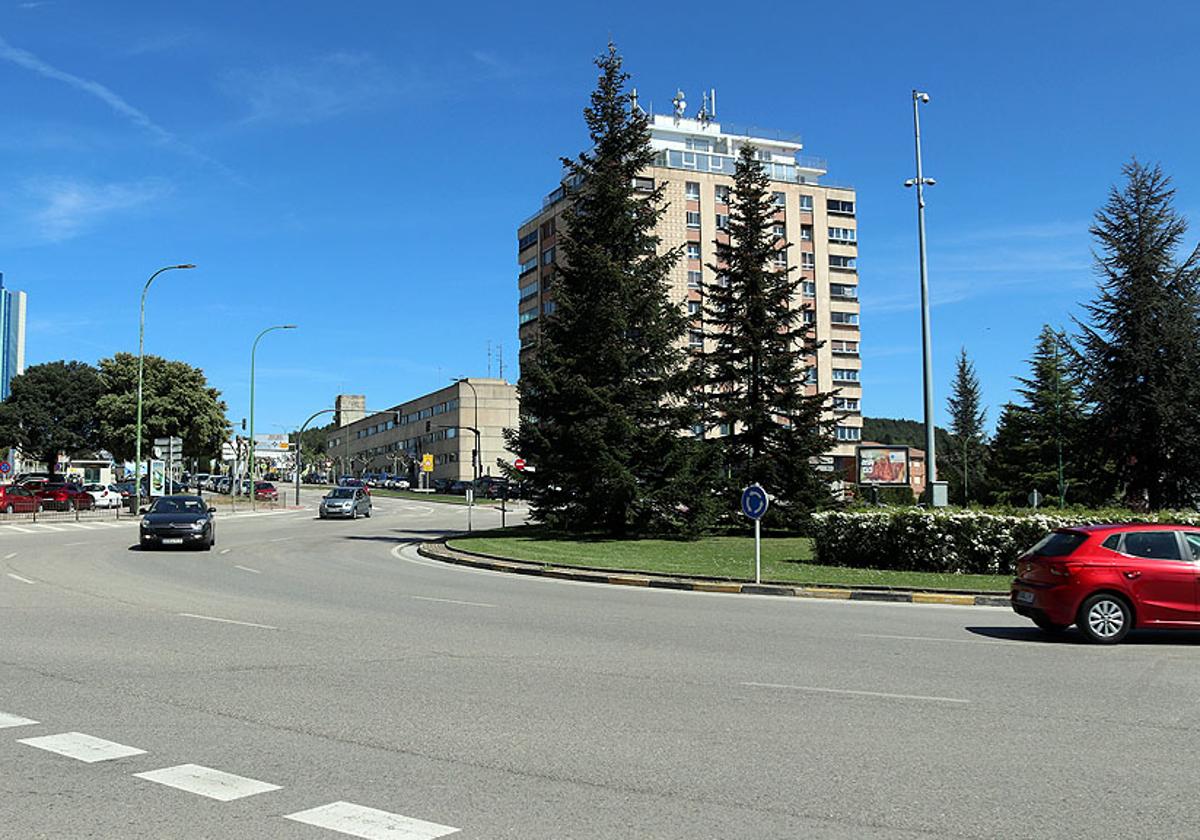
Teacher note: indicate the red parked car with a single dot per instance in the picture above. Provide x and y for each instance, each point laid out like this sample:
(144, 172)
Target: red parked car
(265, 491)
(63, 496)
(17, 499)
(1110, 579)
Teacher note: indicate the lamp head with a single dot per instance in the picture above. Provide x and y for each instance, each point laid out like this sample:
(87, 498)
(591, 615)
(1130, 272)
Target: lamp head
(929, 182)
(186, 265)
(288, 327)
(921, 95)
(911, 182)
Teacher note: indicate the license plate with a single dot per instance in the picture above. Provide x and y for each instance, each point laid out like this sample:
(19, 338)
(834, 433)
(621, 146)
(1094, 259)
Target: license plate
(1024, 597)
(172, 541)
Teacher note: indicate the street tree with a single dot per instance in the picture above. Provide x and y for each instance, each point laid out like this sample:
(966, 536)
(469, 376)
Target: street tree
(606, 407)
(771, 430)
(52, 409)
(966, 457)
(177, 400)
(1140, 344)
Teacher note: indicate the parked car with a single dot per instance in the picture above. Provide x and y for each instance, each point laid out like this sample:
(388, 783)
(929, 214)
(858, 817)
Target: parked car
(15, 498)
(265, 491)
(60, 495)
(104, 495)
(178, 521)
(1110, 579)
(491, 487)
(348, 502)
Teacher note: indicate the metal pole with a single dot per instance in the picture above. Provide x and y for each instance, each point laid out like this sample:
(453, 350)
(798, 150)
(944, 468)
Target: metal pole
(253, 350)
(926, 341)
(477, 456)
(758, 551)
(137, 458)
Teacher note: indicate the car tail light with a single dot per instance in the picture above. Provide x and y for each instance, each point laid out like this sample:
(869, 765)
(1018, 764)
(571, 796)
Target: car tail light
(1059, 569)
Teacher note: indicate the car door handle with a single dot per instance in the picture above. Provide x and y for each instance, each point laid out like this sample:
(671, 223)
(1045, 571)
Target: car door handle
(1132, 575)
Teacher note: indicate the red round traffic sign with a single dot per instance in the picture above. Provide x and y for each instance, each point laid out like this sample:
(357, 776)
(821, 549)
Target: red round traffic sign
(519, 463)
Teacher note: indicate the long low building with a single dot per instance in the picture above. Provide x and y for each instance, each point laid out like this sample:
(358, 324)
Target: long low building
(395, 440)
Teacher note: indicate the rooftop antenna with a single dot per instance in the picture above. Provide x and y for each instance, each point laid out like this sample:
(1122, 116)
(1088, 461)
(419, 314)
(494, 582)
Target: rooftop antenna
(680, 104)
(712, 101)
(489, 346)
(633, 102)
(704, 115)
(500, 353)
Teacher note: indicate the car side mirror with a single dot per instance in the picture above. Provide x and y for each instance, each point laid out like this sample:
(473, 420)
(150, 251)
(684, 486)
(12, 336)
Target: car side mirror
(144, 511)
(212, 510)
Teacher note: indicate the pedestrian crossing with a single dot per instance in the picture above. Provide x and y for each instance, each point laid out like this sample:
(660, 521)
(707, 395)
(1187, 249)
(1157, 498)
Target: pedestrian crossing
(56, 526)
(341, 817)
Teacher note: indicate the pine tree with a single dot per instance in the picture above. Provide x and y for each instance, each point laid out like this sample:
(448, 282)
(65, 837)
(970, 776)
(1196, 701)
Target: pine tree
(1140, 346)
(606, 402)
(967, 416)
(756, 374)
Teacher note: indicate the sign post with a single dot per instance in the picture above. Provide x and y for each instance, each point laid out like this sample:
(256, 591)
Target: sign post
(754, 506)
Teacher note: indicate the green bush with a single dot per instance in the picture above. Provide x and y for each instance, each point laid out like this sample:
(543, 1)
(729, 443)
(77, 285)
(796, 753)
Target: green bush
(953, 541)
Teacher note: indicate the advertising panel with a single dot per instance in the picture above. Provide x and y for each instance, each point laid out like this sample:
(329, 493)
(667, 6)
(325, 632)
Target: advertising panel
(158, 478)
(882, 465)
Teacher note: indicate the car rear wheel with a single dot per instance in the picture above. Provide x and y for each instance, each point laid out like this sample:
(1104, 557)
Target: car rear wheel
(1105, 618)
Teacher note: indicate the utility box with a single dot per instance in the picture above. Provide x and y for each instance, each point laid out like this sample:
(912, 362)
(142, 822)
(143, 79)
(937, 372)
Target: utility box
(941, 494)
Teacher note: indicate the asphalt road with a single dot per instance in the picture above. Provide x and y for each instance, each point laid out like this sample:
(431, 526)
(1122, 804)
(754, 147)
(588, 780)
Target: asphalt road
(324, 662)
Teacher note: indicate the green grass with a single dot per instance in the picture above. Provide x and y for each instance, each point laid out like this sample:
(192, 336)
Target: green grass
(784, 560)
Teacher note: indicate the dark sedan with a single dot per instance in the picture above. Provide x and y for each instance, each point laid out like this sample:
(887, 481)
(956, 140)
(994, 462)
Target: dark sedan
(178, 521)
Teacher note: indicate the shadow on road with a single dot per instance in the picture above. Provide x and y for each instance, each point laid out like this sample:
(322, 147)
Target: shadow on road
(1177, 638)
(403, 536)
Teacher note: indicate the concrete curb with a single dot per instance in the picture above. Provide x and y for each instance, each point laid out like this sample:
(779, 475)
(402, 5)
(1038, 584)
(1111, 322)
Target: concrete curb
(442, 552)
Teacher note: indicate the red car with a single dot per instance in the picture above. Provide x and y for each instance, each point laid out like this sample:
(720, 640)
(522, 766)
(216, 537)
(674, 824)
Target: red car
(63, 496)
(17, 499)
(265, 491)
(1110, 579)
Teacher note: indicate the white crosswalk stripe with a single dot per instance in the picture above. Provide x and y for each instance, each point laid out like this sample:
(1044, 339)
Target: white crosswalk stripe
(370, 823)
(81, 747)
(7, 721)
(204, 781)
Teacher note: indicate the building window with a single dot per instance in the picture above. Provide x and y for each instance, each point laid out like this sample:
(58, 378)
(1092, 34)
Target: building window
(806, 233)
(838, 207)
(841, 290)
(698, 144)
(849, 433)
(723, 281)
(838, 234)
(693, 250)
(779, 230)
(694, 308)
(836, 261)
(692, 190)
(695, 338)
(645, 185)
(693, 219)
(722, 221)
(527, 240)
(844, 348)
(779, 257)
(779, 199)
(548, 256)
(845, 375)
(694, 278)
(529, 291)
(846, 403)
(808, 288)
(526, 317)
(807, 316)
(806, 202)
(548, 307)
(529, 264)
(844, 318)
(721, 193)
(808, 259)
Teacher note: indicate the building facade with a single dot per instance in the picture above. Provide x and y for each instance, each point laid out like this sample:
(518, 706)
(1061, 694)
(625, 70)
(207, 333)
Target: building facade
(395, 440)
(694, 162)
(12, 337)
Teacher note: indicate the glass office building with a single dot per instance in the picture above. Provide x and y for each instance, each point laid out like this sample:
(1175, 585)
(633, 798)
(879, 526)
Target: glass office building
(12, 337)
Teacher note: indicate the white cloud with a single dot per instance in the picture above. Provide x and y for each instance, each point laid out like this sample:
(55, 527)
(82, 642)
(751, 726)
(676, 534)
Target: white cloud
(69, 207)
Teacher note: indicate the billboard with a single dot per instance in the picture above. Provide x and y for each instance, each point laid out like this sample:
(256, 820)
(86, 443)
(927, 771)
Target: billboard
(883, 465)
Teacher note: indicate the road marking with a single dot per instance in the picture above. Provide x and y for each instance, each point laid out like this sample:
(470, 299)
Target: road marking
(68, 545)
(81, 747)
(450, 601)
(281, 539)
(22, 530)
(75, 525)
(248, 569)
(853, 693)
(108, 524)
(47, 527)
(10, 555)
(18, 577)
(370, 823)
(227, 621)
(224, 551)
(932, 639)
(204, 781)
(7, 721)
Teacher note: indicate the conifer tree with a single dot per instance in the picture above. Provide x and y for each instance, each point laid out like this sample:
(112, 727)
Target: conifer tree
(757, 372)
(1140, 345)
(606, 401)
(967, 416)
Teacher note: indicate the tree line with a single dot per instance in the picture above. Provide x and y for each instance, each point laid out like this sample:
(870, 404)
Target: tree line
(77, 409)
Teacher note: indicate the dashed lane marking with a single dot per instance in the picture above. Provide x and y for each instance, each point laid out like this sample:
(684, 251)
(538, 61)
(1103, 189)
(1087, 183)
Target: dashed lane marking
(22, 530)
(450, 601)
(224, 551)
(76, 525)
(248, 569)
(21, 579)
(81, 747)
(370, 823)
(853, 693)
(68, 545)
(47, 527)
(228, 621)
(8, 721)
(10, 555)
(204, 781)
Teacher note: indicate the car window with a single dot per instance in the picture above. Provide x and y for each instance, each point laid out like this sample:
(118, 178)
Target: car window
(176, 506)
(1113, 543)
(1193, 541)
(1058, 544)
(1153, 545)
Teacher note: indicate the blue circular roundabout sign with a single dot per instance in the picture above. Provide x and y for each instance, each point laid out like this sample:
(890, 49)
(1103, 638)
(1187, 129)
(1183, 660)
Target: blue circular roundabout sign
(755, 501)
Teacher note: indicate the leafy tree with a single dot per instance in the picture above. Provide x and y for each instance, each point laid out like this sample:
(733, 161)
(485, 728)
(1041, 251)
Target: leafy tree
(606, 399)
(967, 454)
(176, 400)
(755, 376)
(52, 409)
(1140, 345)
(903, 432)
(1045, 428)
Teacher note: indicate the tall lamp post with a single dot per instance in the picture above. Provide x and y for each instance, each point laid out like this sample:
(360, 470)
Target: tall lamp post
(477, 456)
(137, 463)
(253, 350)
(921, 182)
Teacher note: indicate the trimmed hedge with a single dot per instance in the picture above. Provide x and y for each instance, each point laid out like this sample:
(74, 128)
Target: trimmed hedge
(953, 541)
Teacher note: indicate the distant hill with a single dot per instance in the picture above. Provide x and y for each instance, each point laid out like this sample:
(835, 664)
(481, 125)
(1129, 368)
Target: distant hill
(901, 432)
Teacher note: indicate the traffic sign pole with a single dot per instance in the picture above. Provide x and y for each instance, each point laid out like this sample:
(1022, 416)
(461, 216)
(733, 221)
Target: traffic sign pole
(758, 551)
(754, 505)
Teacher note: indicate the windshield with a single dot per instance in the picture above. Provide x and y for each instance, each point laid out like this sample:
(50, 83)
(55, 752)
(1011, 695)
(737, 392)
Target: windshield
(341, 493)
(177, 505)
(1058, 544)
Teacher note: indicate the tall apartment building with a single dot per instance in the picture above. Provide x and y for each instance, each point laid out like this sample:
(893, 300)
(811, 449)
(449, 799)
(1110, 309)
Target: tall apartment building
(694, 160)
(12, 337)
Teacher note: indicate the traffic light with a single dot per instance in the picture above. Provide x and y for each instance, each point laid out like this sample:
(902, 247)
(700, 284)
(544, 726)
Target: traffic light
(243, 424)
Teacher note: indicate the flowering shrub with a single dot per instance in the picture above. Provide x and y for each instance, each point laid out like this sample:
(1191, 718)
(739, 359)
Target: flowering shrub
(954, 541)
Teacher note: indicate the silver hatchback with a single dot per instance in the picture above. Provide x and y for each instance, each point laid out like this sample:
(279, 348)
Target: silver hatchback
(346, 502)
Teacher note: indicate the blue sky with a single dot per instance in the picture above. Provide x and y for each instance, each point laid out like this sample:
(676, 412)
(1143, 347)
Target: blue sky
(360, 169)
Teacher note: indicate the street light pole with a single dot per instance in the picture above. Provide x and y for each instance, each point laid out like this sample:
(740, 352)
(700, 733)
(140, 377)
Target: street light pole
(253, 350)
(137, 463)
(920, 182)
(477, 456)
